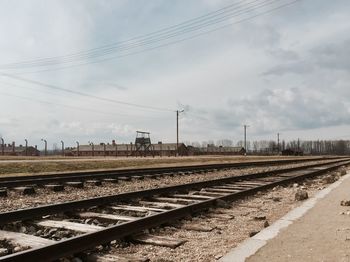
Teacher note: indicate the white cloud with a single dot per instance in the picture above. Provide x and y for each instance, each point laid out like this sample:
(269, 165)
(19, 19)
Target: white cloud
(285, 71)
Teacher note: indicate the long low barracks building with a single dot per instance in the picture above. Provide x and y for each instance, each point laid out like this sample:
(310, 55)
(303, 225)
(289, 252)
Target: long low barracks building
(159, 149)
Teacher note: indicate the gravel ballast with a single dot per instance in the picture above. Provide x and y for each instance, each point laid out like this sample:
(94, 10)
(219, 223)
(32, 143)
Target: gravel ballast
(251, 215)
(44, 196)
(231, 222)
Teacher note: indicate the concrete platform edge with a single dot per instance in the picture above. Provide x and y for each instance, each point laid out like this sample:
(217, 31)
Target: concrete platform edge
(250, 246)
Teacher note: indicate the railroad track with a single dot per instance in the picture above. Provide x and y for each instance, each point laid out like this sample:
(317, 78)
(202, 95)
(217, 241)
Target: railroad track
(150, 208)
(57, 182)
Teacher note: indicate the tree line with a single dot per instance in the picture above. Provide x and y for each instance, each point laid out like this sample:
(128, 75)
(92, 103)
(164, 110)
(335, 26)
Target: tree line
(308, 147)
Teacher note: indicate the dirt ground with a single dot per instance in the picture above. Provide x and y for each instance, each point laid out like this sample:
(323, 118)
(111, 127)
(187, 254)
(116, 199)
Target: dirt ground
(12, 166)
(323, 234)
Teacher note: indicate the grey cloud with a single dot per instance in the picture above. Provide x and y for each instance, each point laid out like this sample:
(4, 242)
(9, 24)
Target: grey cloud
(108, 85)
(259, 36)
(116, 86)
(283, 109)
(298, 67)
(333, 56)
(9, 121)
(283, 54)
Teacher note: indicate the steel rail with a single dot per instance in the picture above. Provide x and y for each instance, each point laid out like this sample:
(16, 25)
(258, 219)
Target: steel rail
(13, 181)
(86, 241)
(30, 213)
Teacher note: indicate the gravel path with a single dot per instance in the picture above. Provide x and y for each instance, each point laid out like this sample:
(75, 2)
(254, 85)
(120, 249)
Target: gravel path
(317, 235)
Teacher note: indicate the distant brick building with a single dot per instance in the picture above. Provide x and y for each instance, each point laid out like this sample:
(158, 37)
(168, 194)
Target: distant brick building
(169, 149)
(292, 152)
(12, 150)
(160, 149)
(216, 150)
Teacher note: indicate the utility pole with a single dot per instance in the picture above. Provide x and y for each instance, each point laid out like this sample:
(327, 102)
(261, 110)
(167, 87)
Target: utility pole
(2, 146)
(245, 138)
(26, 146)
(177, 130)
(62, 147)
(45, 146)
(77, 148)
(278, 143)
(92, 148)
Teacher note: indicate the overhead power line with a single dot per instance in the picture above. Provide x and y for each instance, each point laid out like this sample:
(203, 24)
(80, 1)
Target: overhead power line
(86, 94)
(162, 45)
(132, 40)
(36, 89)
(69, 106)
(193, 25)
(141, 39)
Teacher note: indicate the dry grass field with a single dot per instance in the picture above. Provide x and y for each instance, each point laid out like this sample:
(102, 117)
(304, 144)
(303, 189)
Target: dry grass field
(21, 166)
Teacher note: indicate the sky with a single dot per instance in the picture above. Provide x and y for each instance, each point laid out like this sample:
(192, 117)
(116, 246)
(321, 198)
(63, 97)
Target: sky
(98, 70)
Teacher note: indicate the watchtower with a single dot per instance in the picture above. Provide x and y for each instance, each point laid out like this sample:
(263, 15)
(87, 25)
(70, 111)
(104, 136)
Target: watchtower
(142, 143)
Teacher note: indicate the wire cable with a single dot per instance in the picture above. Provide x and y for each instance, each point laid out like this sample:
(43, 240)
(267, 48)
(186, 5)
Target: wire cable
(72, 107)
(85, 94)
(163, 45)
(116, 45)
(246, 11)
